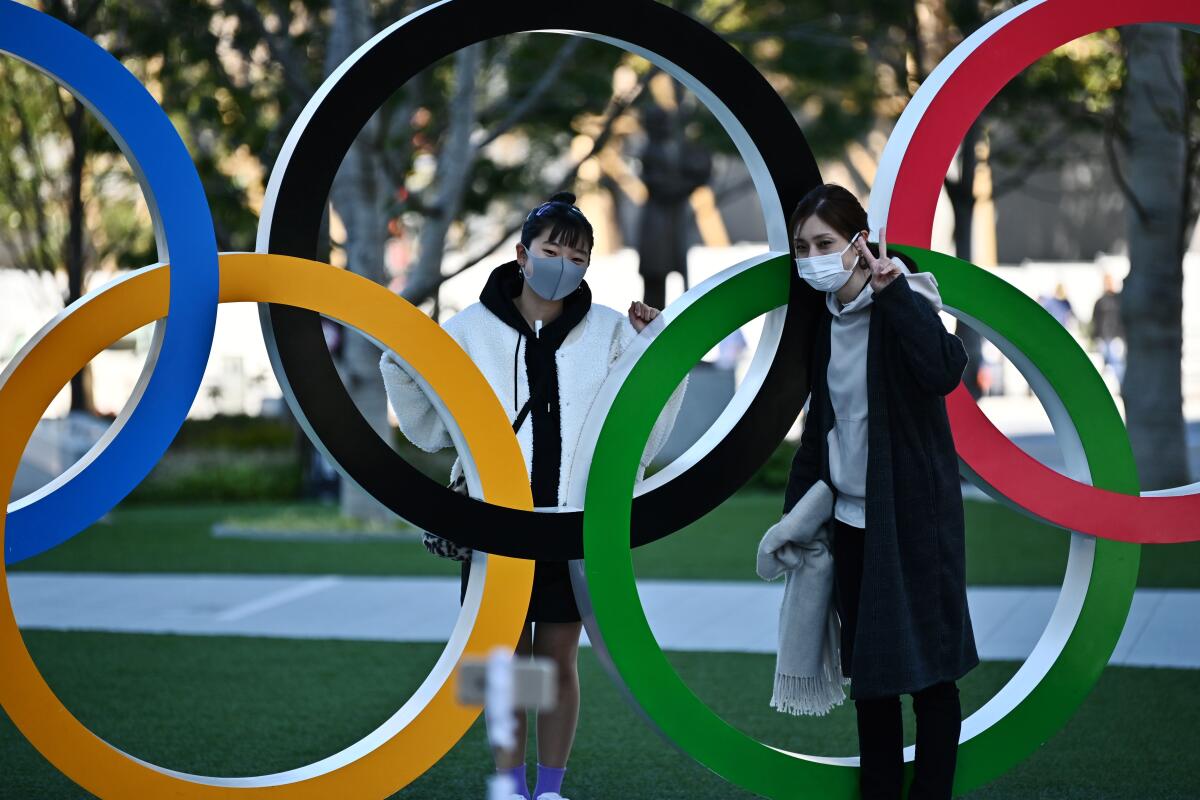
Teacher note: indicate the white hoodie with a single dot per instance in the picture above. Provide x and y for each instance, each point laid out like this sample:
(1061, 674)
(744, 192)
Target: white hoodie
(847, 382)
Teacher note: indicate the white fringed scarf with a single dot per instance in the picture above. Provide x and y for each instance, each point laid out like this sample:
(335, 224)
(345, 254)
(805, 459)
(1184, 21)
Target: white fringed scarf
(808, 671)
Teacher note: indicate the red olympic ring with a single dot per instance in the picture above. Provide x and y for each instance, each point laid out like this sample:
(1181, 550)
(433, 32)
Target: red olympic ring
(1045, 493)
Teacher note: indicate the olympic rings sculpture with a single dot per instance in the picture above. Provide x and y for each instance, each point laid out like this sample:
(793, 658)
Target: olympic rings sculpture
(1100, 502)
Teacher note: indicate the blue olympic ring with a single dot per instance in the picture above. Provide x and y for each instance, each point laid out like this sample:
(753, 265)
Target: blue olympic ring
(171, 378)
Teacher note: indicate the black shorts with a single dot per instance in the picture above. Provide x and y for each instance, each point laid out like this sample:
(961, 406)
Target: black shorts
(553, 599)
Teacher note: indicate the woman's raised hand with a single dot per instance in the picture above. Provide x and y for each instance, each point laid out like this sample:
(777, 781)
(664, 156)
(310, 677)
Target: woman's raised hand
(883, 269)
(641, 315)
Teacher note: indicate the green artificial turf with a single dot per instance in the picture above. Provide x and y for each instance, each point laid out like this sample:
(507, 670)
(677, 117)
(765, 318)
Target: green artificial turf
(178, 538)
(234, 706)
(1003, 547)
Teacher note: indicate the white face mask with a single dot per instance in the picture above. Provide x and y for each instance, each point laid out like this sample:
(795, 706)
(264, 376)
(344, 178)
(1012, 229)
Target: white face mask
(826, 273)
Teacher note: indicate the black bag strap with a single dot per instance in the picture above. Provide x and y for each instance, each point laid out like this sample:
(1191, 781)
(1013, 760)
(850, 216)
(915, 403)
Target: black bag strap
(536, 392)
(459, 484)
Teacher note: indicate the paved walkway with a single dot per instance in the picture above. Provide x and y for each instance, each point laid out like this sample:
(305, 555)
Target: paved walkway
(1162, 629)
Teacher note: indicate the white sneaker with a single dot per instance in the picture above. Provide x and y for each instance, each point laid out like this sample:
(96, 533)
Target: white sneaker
(551, 796)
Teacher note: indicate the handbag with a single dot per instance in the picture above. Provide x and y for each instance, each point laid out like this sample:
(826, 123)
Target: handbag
(444, 548)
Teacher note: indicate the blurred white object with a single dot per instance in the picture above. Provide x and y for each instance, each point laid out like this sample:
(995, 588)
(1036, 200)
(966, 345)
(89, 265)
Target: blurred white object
(502, 724)
(533, 683)
(498, 702)
(503, 787)
(730, 350)
(502, 687)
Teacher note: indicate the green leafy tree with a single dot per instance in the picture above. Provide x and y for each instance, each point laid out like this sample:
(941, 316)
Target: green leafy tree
(67, 195)
(436, 162)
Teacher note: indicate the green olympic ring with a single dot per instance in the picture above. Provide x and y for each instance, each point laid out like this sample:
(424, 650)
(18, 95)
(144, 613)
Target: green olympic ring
(1050, 685)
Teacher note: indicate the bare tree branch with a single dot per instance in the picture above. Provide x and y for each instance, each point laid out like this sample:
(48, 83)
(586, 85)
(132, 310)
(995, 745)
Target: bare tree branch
(396, 159)
(1114, 162)
(499, 62)
(455, 164)
(617, 107)
(282, 50)
(497, 243)
(1038, 158)
(914, 36)
(33, 153)
(530, 101)
(860, 181)
(26, 245)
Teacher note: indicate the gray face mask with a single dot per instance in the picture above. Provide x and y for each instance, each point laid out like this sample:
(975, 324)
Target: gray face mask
(554, 277)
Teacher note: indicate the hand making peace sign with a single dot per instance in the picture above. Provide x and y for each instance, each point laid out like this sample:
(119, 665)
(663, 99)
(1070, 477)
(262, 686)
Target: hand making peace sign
(883, 269)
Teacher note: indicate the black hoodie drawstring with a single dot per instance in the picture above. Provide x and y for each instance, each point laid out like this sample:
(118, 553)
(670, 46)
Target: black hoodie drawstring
(516, 361)
(498, 296)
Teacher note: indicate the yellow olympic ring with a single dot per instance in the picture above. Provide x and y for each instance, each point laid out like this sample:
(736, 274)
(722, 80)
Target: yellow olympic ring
(432, 721)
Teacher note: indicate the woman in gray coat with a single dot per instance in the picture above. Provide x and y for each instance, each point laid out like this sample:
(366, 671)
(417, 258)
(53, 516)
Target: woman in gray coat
(878, 434)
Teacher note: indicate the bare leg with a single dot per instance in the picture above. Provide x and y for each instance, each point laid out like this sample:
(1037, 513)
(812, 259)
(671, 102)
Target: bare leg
(516, 756)
(556, 729)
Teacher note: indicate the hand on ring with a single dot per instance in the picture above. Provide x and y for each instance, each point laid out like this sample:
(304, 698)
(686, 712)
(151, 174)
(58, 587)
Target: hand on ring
(641, 315)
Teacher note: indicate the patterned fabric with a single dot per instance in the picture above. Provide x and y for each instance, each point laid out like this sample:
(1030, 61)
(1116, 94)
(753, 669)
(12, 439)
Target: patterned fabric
(444, 548)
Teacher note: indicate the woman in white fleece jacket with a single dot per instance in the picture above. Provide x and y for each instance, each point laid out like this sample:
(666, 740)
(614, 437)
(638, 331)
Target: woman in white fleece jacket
(538, 340)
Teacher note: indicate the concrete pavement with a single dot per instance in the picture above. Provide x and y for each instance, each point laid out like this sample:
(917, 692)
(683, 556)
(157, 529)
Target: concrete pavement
(714, 616)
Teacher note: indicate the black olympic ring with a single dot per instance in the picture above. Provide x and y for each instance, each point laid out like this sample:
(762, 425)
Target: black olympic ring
(294, 209)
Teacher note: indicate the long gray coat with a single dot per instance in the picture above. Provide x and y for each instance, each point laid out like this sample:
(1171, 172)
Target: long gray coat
(914, 629)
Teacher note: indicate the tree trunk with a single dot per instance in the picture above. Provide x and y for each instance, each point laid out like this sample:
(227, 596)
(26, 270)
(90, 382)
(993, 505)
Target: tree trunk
(81, 395)
(962, 200)
(359, 196)
(454, 166)
(1152, 300)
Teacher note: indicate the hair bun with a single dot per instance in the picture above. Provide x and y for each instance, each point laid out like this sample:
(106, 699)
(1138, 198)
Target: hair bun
(563, 197)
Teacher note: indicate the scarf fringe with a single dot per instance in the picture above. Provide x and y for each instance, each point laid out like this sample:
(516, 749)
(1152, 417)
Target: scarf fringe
(811, 695)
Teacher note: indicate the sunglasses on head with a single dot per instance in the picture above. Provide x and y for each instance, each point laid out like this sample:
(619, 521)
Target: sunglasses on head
(545, 208)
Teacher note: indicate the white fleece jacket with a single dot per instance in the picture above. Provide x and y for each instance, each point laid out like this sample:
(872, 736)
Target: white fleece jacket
(583, 362)
(847, 382)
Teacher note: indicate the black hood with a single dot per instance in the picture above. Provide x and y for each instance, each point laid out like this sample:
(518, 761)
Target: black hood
(505, 284)
(498, 295)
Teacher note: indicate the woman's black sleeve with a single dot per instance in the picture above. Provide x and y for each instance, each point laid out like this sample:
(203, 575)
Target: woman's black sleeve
(935, 357)
(806, 464)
